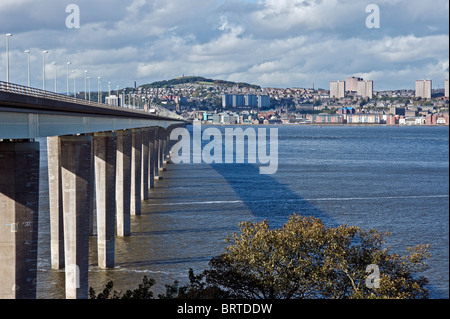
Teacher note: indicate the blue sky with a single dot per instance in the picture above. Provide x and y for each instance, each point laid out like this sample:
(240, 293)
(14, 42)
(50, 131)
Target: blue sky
(273, 43)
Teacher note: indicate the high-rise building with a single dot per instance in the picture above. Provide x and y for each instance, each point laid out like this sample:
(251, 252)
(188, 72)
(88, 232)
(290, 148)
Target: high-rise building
(351, 84)
(227, 100)
(337, 89)
(251, 100)
(365, 89)
(263, 101)
(446, 89)
(423, 89)
(238, 100)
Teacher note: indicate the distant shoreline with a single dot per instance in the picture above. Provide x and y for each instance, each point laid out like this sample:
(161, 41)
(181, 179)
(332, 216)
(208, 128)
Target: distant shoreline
(327, 124)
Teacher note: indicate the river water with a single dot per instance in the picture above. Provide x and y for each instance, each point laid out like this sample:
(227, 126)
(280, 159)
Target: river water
(384, 177)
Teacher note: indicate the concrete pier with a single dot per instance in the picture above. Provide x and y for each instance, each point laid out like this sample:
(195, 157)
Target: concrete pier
(136, 160)
(151, 177)
(19, 204)
(76, 179)
(55, 202)
(145, 163)
(123, 183)
(105, 145)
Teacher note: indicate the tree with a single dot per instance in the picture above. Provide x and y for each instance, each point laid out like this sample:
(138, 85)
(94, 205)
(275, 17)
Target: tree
(302, 259)
(306, 259)
(142, 292)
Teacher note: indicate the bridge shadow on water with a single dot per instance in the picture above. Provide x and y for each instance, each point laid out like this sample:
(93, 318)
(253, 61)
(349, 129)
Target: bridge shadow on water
(266, 197)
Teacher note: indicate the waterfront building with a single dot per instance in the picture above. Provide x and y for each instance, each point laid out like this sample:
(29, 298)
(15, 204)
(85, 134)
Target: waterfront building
(364, 118)
(325, 118)
(337, 89)
(423, 89)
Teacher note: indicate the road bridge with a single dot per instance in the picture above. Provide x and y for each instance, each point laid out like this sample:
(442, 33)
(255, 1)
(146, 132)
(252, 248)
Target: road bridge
(99, 156)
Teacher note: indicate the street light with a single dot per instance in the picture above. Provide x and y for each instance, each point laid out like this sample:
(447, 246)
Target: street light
(74, 83)
(98, 94)
(7, 56)
(68, 63)
(85, 78)
(28, 53)
(89, 79)
(54, 66)
(43, 68)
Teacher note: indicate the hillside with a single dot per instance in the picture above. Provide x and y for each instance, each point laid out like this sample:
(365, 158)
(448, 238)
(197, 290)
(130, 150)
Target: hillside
(197, 80)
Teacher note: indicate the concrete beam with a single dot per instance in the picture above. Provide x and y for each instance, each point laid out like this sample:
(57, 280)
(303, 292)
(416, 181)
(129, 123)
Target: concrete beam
(19, 204)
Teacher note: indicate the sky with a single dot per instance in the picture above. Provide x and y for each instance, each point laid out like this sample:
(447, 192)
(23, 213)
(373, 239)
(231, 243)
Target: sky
(271, 43)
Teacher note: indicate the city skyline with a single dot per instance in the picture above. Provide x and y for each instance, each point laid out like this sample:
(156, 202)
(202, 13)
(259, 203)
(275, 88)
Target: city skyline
(268, 43)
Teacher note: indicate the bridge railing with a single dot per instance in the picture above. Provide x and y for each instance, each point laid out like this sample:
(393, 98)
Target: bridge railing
(34, 92)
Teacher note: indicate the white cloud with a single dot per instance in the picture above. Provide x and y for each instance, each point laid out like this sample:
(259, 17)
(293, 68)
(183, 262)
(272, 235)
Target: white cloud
(271, 42)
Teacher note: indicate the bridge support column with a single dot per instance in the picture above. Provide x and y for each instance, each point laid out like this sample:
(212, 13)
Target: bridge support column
(151, 180)
(19, 204)
(123, 182)
(105, 145)
(156, 153)
(136, 147)
(76, 179)
(55, 202)
(144, 163)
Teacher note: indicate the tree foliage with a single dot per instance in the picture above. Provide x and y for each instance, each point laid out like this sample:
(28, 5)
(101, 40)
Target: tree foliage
(302, 259)
(305, 259)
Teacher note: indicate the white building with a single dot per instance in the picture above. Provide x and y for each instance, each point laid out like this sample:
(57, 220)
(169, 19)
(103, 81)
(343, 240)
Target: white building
(112, 100)
(337, 89)
(423, 89)
(351, 84)
(365, 89)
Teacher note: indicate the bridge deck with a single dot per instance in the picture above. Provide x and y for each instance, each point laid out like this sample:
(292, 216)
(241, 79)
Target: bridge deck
(30, 113)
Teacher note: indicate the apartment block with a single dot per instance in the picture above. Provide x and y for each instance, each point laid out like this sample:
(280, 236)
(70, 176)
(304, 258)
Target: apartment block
(365, 89)
(337, 89)
(351, 84)
(423, 89)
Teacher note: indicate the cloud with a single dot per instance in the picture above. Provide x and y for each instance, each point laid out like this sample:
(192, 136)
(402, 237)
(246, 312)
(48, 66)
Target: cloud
(271, 42)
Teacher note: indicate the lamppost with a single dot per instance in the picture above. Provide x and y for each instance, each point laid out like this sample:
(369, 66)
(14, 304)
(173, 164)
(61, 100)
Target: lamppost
(89, 79)
(98, 94)
(68, 78)
(28, 53)
(54, 67)
(7, 56)
(85, 84)
(43, 68)
(74, 83)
